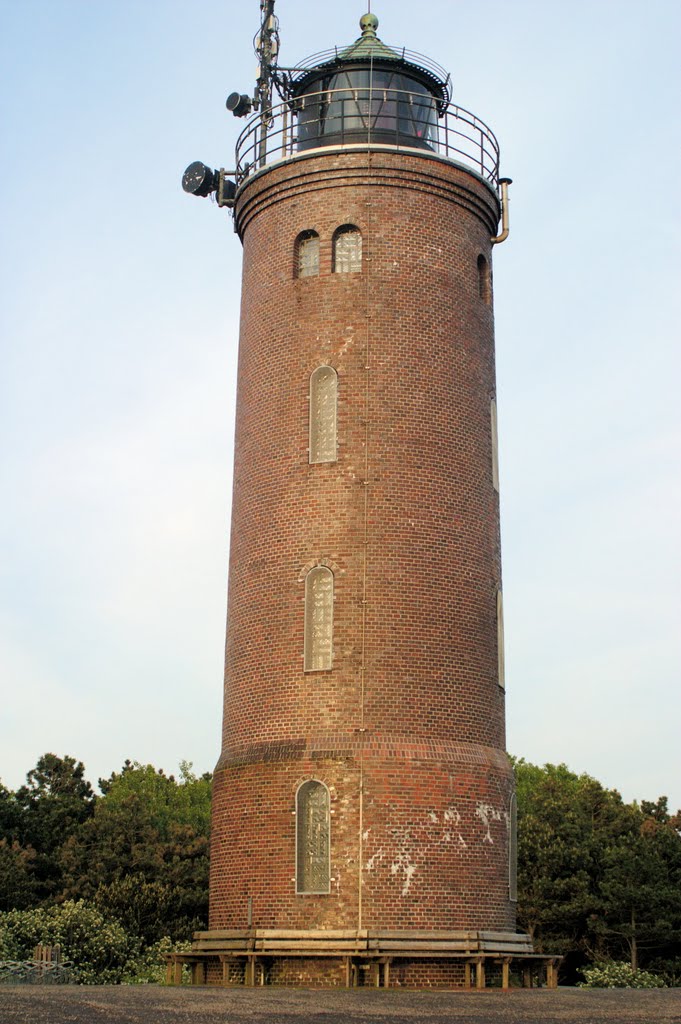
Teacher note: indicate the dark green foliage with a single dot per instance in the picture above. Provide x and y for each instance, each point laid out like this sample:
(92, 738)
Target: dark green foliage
(597, 879)
(18, 886)
(138, 854)
(55, 801)
(143, 855)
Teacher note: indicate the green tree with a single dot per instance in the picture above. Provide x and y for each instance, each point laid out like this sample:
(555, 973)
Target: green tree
(596, 877)
(10, 815)
(642, 890)
(55, 801)
(143, 855)
(17, 881)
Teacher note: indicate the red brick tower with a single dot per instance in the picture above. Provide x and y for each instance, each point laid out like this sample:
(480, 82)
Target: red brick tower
(363, 809)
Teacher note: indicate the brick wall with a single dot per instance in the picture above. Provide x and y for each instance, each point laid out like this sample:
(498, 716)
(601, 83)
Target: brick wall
(407, 729)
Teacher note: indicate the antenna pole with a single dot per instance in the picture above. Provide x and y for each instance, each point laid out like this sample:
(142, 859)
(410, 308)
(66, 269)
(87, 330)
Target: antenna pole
(267, 48)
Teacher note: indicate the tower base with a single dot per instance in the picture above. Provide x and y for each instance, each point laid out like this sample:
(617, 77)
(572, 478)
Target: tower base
(349, 959)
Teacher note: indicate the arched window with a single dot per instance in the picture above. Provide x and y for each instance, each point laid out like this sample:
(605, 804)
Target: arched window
(484, 280)
(318, 653)
(307, 254)
(513, 849)
(313, 839)
(501, 670)
(347, 250)
(323, 404)
(495, 444)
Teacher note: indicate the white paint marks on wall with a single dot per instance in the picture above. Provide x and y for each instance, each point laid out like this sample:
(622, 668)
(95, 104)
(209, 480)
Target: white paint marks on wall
(404, 864)
(452, 816)
(487, 814)
(375, 859)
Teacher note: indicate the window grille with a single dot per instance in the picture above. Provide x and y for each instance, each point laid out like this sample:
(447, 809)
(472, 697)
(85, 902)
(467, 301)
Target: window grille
(313, 839)
(495, 444)
(501, 668)
(318, 652)
(484, 280)
(307, 254)
(323, 408)
(347, 250)
(513, 849)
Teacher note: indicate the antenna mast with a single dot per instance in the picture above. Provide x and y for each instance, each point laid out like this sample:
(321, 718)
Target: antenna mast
(266, 46)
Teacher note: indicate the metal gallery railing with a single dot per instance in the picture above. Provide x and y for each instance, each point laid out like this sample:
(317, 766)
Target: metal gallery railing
(360, 117)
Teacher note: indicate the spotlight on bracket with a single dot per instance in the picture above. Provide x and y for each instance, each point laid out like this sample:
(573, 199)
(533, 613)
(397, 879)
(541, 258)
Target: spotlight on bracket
(239, 103)
(199, 180)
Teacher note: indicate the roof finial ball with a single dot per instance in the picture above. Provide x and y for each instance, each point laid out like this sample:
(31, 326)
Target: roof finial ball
(368, 24)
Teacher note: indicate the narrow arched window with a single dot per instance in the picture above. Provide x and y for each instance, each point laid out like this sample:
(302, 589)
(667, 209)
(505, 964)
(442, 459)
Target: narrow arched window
(307, 254)
(318, 652)
(313, 839)
(513, 849)
(484, 280)
(347, 250)
(323, 406)
(495, 444)
(501, 669)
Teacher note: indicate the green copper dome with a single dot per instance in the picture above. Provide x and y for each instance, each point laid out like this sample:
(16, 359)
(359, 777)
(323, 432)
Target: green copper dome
(368, 45)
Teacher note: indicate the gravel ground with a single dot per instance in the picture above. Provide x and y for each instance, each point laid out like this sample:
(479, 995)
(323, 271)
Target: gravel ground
(147, 1004)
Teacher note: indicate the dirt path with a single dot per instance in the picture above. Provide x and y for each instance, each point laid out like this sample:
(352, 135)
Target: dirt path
(147, 1004)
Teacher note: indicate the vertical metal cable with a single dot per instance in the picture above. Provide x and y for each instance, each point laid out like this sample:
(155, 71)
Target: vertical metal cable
(367, 258)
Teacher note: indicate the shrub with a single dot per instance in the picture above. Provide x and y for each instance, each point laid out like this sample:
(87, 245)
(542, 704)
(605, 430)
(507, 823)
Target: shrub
(619, 975)
(99, 949)
(149, 967)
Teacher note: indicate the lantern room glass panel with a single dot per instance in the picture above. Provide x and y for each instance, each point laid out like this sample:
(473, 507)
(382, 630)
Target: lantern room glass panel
(364, 105)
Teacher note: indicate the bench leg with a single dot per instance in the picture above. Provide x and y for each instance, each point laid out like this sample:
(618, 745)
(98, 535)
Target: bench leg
(199, 973)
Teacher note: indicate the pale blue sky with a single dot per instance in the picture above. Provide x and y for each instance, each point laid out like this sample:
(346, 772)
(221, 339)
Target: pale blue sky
(118, 329)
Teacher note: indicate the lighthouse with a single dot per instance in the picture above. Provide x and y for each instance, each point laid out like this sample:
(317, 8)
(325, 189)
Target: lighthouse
(363, 826)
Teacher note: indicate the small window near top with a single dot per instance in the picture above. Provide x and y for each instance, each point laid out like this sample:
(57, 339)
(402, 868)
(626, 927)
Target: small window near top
(347, 250)
(484, 280)
(323, 403)
(307, 254)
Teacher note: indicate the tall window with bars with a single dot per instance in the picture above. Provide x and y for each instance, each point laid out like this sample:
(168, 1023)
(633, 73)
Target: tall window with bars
(501, 664)
(313, 839)
(323, 407)
(318, 642)
(513, 849)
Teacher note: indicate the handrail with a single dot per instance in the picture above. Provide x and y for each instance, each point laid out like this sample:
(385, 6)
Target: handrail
(344, 54)
(367, 116)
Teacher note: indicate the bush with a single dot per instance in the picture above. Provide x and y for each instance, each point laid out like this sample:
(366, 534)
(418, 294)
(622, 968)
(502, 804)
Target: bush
(99, 949)
(619, 975)
(149, 967)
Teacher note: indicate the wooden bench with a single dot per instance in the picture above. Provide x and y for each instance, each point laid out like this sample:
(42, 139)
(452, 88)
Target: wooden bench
(363, 951)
